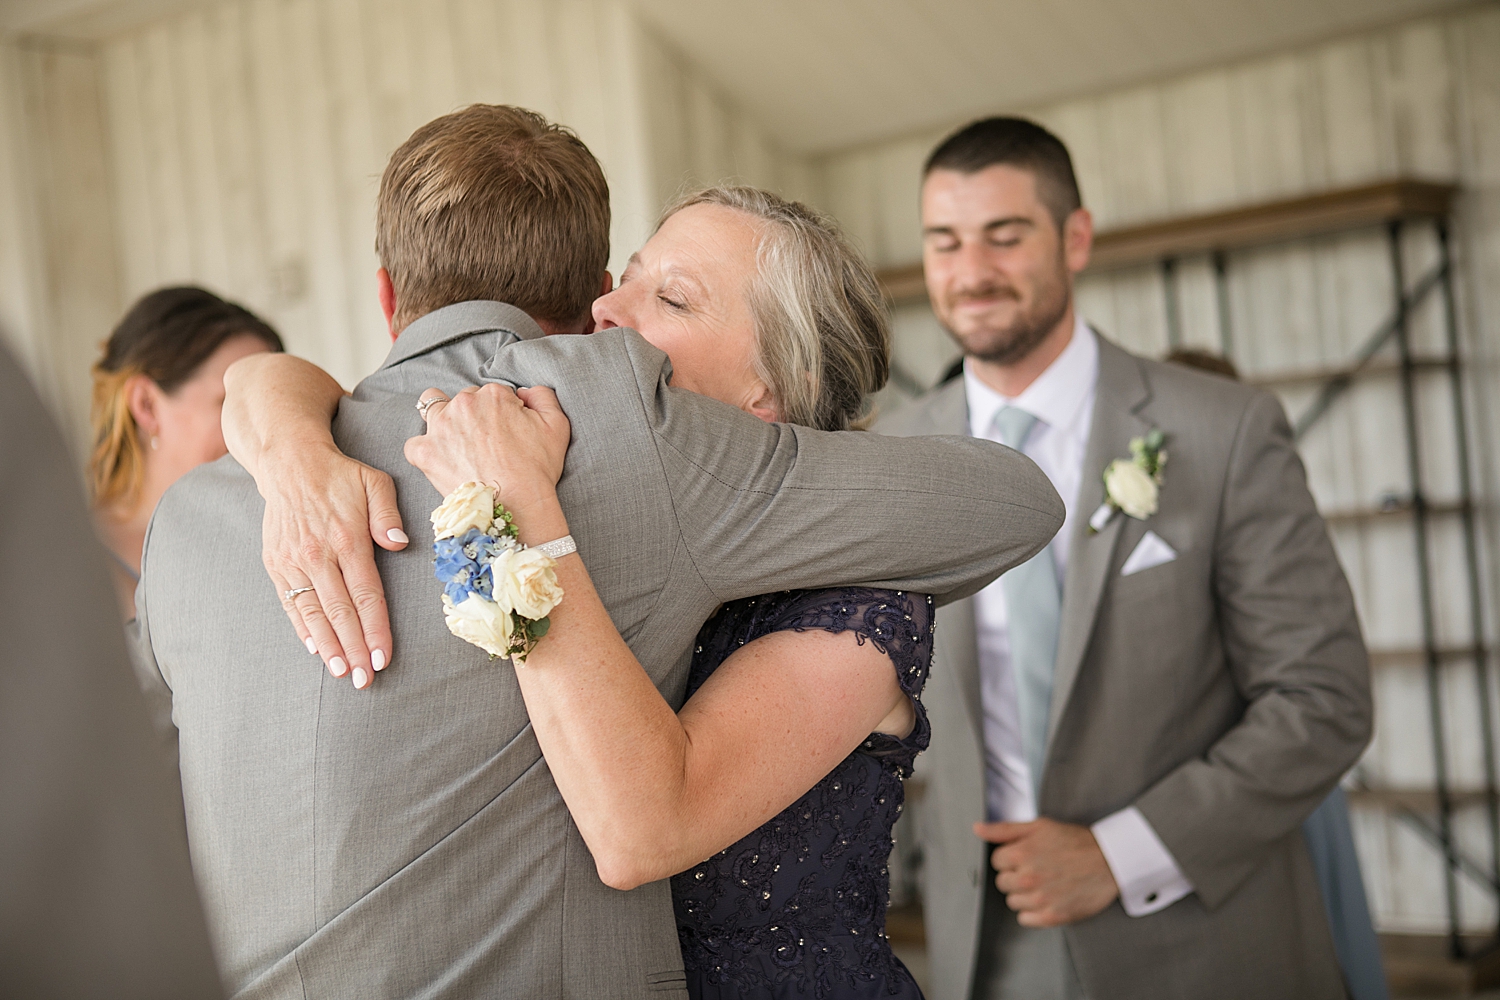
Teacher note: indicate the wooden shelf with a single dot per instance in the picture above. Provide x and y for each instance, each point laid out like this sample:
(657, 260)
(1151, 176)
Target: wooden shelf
(1419, 800)
(1256, 225)
(1416, 656)
(1272, 222)
(903, 285)
(1364, 515)
(1383, 366)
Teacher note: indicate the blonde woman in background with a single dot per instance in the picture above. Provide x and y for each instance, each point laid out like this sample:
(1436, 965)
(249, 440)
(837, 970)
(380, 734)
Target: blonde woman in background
(158, 393)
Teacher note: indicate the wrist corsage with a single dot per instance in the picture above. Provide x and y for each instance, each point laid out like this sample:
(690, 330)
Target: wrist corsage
(497, 593)
(1133, 484)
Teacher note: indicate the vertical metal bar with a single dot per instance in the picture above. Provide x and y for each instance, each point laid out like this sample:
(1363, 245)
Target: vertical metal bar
(1471, 555)
(1424, 584)
(1221, 296)
(1169, 289)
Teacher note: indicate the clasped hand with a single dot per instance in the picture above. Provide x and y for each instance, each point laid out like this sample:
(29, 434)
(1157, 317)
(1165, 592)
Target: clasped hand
(515, 440)
(1051, 873)
(323, 508)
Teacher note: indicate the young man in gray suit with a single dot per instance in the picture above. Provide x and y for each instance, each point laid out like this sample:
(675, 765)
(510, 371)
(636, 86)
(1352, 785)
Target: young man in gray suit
(407, 840)
(1128, 730)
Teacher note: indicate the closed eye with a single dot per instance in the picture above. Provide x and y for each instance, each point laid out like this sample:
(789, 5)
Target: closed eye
(673, 303)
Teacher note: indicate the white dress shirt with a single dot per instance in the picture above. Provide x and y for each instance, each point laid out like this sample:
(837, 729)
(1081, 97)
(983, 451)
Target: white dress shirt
(1062, 400)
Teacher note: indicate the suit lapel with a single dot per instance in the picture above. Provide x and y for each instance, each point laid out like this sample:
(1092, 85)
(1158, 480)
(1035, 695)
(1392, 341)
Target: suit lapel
(1121, 392)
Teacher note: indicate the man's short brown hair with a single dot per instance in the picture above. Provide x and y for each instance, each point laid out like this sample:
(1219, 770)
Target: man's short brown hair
(493, 202)
(1019, 143)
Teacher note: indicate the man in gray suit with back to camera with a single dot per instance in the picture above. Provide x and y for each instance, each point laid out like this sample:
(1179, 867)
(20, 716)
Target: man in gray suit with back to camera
(1136, 721)
(407, 840)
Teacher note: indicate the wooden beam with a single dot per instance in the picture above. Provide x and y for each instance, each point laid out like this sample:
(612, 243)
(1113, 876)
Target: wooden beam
(1273, 222)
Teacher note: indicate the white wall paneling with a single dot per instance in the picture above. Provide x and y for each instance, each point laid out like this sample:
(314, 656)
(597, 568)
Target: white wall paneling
(63, 295)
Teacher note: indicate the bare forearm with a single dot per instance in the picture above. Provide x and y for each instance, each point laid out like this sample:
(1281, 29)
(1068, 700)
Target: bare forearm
(615, 747)
(273, 401)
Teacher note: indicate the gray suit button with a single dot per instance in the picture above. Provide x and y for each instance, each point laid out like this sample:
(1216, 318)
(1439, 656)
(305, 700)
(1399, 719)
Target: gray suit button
(974, 876)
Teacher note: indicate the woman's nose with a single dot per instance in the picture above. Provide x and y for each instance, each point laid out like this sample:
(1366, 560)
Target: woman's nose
(605, 313)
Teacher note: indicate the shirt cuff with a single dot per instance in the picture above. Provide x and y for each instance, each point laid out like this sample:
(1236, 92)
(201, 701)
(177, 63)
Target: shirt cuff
(1145, 871)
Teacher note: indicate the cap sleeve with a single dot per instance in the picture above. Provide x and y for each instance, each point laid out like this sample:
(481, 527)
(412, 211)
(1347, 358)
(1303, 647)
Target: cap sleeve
(898, 623)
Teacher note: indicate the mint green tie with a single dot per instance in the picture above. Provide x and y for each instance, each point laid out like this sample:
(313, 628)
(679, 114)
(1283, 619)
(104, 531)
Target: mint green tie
(1033, 605)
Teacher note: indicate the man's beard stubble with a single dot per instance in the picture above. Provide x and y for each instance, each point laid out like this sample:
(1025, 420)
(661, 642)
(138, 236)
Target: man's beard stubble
(1010, 344)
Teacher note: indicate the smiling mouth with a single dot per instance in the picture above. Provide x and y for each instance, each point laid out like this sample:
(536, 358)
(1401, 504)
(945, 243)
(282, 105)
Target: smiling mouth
(983, 302)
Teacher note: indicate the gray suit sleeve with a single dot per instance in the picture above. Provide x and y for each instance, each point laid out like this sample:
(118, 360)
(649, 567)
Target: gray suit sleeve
(765, 507)
(1293, 644)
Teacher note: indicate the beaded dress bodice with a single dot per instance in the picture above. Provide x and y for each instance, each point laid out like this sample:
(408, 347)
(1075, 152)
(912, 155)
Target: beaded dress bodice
(797, 908)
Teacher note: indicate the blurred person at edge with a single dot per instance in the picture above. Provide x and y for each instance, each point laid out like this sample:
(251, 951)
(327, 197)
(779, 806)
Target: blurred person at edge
(158, 393)
(1129, 729)
(96, 894)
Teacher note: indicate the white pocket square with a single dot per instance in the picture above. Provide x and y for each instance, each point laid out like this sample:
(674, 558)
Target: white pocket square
(1149, 551)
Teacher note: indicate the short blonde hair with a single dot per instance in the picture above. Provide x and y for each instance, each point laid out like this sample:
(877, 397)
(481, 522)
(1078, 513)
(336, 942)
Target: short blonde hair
(493, 202)
(822, 338)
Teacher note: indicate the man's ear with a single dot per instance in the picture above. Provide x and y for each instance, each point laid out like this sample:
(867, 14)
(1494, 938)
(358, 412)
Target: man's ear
(387, 294)
(141, 396)
(1078, 239)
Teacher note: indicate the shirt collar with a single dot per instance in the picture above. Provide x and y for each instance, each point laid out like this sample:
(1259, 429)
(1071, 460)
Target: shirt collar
(455, 322)
(1057, 397)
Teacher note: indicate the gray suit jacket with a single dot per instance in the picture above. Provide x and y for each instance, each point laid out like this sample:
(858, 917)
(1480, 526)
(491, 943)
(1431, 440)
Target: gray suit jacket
(1222, 693)
(96, 896)
(408, 841)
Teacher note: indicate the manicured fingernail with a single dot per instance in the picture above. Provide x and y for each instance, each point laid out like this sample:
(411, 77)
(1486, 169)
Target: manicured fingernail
(337, 667)
(377, 659)
(396, 535)
(312, 647)
(361, 677)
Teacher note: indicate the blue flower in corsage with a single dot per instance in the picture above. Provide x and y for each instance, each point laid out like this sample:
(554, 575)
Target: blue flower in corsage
(497, 593)
(1133, 484)
(463, 563)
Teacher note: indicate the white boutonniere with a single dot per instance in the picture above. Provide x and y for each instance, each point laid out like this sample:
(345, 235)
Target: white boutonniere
(1133, 484)
(497, 593)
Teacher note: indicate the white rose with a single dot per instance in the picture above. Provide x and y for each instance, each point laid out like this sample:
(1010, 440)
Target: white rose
(481, 622)
(526, 582)
(1131, 489)
(472, 505)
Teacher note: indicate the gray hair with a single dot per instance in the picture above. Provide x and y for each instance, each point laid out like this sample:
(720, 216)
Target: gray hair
(822, 339)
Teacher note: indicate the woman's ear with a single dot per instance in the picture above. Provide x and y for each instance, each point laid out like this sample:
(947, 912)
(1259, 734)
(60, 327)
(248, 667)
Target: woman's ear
(763, 405)
(142, 396)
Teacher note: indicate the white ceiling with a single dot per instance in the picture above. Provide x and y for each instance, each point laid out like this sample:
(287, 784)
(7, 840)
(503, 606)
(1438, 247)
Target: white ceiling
(820, 75)
(826, 74)
(84, 19)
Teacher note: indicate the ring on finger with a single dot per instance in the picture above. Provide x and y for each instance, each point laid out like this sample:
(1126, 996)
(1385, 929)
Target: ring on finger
(293, 592)
(427, 403)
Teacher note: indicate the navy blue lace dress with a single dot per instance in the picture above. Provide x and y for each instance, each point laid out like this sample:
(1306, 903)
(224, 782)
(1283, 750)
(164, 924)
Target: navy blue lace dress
(797, 908)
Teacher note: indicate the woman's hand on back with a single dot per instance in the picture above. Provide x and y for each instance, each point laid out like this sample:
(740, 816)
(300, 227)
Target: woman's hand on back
(322, 510)
(512, 439)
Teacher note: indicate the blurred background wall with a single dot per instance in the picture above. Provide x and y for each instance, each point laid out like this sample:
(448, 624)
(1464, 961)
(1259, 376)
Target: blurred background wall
(239, 144)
